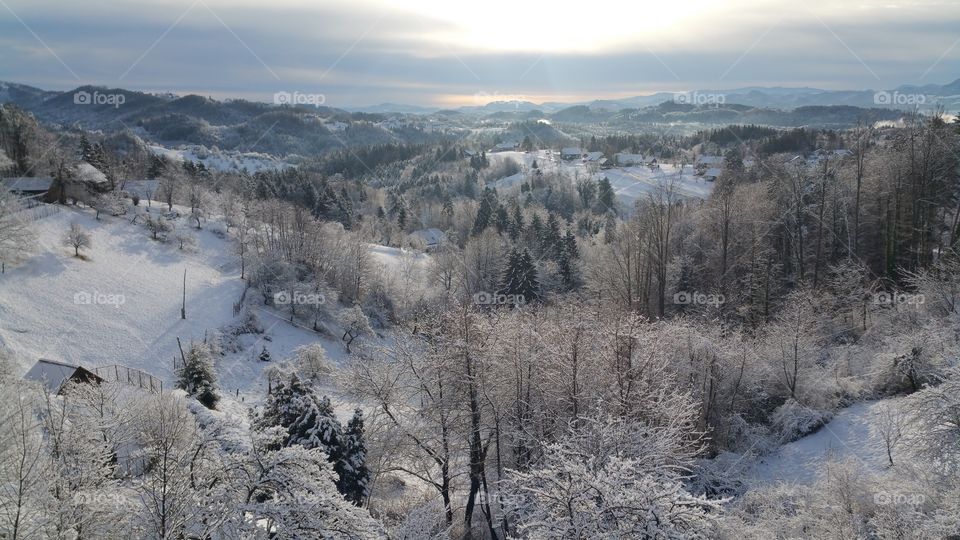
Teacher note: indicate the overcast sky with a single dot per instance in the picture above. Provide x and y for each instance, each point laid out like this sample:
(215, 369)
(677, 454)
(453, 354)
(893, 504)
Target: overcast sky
(436, 52)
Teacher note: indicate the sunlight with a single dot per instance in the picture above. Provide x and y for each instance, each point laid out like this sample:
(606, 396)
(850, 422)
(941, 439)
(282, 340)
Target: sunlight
(577, 27)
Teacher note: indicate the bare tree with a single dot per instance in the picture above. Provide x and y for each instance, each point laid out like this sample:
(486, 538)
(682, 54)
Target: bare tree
(77, 238)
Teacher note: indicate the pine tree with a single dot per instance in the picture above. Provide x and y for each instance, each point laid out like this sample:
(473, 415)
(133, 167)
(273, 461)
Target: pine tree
(311, 422)
(485, 212)
(605, 195)
(264, 355)
(516, 224)
(355, 479)
(520, 277)
(196, 377)
(157, 167)
(501, 219)
(551, 241)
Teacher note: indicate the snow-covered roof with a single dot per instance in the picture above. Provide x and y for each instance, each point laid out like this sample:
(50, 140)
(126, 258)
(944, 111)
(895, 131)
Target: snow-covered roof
(27, 184)
(430, 237)
(571, 151)
(507, 145)
(54, 374)
(713, 171)
(90, 174)
(594, 156)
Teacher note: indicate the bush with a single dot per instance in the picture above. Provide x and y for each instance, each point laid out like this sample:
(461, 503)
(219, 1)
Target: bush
(794, 420)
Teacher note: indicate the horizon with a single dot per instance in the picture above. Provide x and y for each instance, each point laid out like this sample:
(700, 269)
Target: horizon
(477, 101)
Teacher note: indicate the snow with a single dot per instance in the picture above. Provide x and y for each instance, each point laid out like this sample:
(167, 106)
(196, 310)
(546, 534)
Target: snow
(850, 434)
(222, 160)
(131, 312)
(119, 306)
(629, 183)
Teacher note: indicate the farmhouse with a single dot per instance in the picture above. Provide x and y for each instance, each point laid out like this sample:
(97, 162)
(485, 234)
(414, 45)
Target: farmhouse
(55, 375)
(571, 153)
(28, 187)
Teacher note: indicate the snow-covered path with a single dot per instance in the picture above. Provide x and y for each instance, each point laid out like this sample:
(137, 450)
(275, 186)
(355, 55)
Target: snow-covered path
(849, 435)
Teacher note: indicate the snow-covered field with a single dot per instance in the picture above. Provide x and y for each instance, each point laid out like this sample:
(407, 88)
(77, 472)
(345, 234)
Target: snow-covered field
(223, 160)
(630, 183)
(120, 304)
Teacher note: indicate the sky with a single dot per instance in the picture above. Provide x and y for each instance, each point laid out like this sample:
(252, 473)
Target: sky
(350, 53)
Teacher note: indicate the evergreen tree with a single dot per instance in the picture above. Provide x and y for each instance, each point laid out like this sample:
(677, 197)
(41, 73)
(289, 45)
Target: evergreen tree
(311, 422)
(565, 263)
(520, 277)
(402, 217)
(570, 245)
(196, 376)
(485, 212)
(354, 481)
(516, 224)
(264, 355)
(501, 219)
(157, 167)
(605, 195)
(551, 241)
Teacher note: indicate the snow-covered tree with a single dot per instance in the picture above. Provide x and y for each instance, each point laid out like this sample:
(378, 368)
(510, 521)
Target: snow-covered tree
(355, 475)
(313, 362)
(15, 235)
(111, 203)
(355, 324)
(158, 226)
(290, 492)
(185, 239)
(197, 378)
(77, 238)
(621, 491)
(25, 475)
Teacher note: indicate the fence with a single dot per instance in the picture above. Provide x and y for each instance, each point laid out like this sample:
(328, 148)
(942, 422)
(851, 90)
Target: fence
(33, 209)
(133, 377)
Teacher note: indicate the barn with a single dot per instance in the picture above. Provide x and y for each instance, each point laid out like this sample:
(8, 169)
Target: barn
(55, 375)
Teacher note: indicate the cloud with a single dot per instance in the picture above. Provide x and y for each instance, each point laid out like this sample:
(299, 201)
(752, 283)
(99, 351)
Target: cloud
(425, 51)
